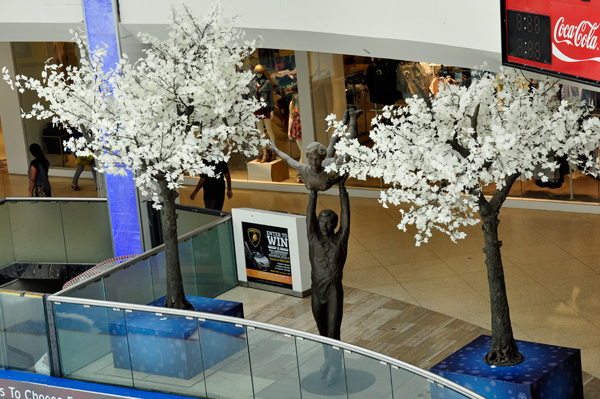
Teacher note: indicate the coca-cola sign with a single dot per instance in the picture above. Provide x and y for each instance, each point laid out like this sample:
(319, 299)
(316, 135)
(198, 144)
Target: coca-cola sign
(556, 37)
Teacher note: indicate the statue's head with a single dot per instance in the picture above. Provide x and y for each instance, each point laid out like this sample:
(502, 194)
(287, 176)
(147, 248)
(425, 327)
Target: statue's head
(316, 153)
(328, 220)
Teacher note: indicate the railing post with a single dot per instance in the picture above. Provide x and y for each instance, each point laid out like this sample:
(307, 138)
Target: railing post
(54, 356)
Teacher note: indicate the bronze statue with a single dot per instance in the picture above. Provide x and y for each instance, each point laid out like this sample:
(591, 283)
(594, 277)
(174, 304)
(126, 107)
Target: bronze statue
(313, 174)
(327, 252)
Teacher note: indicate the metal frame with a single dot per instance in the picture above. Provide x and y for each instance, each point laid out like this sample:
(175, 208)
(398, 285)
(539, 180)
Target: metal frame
(201, 316)
(51, 199)
(142, 256)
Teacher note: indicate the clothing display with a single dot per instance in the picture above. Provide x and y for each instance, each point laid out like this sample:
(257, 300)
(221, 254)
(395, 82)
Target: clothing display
(262, 88)
(381, 80)
(415, 77)
(296, 128)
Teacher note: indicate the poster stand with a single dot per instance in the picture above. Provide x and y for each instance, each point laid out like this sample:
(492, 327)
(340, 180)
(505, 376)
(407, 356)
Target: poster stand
(271, 250)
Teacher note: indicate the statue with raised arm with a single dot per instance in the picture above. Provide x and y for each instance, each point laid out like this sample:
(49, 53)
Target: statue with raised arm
(327, 252)
(313, 173)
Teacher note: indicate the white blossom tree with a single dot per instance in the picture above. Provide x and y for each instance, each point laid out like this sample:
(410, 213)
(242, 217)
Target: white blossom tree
(180, 109)
(439, 153)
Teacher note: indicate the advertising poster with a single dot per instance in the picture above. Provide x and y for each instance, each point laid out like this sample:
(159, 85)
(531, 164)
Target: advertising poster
(267, 253)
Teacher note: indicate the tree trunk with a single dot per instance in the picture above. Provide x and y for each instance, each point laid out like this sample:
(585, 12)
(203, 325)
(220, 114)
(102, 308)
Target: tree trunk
(504, 350)
(175, 295)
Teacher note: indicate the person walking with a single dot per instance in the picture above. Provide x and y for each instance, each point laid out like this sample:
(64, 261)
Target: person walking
(214, 187)
(39, 185)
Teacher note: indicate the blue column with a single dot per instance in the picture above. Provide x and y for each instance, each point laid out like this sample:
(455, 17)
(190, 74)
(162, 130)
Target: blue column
(101, 26)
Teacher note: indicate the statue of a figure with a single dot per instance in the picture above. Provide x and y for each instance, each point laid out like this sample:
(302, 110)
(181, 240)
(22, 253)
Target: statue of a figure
(313, 174)
(327, 252)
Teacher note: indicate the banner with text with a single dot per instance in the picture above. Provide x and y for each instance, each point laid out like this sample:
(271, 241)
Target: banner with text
(267, 254)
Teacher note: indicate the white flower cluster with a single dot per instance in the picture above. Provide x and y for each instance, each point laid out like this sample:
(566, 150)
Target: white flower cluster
(438, 154)
(182, 106)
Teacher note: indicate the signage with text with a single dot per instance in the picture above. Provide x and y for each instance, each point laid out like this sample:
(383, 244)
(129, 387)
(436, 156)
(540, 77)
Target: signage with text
(11, 389)
(557, 38)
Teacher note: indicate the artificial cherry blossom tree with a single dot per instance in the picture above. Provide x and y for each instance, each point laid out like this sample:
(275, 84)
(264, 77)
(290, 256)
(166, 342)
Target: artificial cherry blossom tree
(438, 154)
(178, 110)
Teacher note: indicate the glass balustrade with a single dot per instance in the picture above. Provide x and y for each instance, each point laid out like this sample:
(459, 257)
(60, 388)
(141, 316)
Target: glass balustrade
(207, 267)
(190, 354)
(54, 230)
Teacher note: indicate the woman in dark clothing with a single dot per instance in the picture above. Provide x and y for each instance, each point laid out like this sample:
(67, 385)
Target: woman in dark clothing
(39, 185)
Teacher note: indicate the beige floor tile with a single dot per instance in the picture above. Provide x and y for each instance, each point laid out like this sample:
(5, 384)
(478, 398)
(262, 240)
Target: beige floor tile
(374, 227)
(474, 262)
(590, 360)
(544, 315)
(419, 270)
(368, 278)
(534, 254)
(354, 247)
(481, 319)
(573, 333)
(390, 239)
(252, 298)
(437, 287)
(521, 335)
(360, 261)
(569, 289)
(394, 291)
(558, 230)
(397, 256)
(528, 295)
(593, 262)
(457, 305)
(587, 307)
(462, 247)
(582, 247)
(516, 238)
(555, 271)
(513, 277)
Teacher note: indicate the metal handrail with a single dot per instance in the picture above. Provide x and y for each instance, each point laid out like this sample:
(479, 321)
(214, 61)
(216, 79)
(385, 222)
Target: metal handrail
(144, 255)
(52, 199)
(202, 316)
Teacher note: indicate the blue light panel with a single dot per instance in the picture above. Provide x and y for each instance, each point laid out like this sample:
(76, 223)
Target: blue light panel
(122, 201)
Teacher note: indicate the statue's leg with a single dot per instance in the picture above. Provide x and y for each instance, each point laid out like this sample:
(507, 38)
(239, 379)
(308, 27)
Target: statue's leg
(335, 307)
(320, 314)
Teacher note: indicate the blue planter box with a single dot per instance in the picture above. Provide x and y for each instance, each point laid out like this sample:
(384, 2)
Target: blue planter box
(170, 346)
(548, 372)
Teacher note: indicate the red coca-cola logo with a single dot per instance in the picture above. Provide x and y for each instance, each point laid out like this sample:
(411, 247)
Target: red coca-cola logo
(582, 35)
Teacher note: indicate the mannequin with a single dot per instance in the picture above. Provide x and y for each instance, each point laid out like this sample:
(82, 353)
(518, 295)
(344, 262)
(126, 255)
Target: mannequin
(262, 88)
(295, 127)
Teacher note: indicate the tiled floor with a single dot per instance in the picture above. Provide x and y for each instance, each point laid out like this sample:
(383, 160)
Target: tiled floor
(551, 261)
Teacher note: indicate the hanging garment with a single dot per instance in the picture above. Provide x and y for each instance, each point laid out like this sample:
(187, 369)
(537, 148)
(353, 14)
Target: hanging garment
(296, 129)
(381, 80)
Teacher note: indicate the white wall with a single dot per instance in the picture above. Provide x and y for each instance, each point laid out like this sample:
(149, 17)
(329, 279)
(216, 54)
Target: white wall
(39, 20)
(12, 125)
(464, 34)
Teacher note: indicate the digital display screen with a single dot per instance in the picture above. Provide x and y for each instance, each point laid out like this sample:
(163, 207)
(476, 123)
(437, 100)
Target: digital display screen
(529, 36)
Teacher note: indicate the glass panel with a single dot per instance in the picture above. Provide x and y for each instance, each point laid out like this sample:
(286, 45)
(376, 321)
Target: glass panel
(132, 284)
(92, 344)
(226, 361)
(214, 260)
(93, 290)
(321, 372)
(367, 377)
(189, 220)
(411, 386)
(37, 232)
(87, 232)
(274, 365)
(188, 273)
(165, 353)
(159, 274)
(7, 253)
(24, 331)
